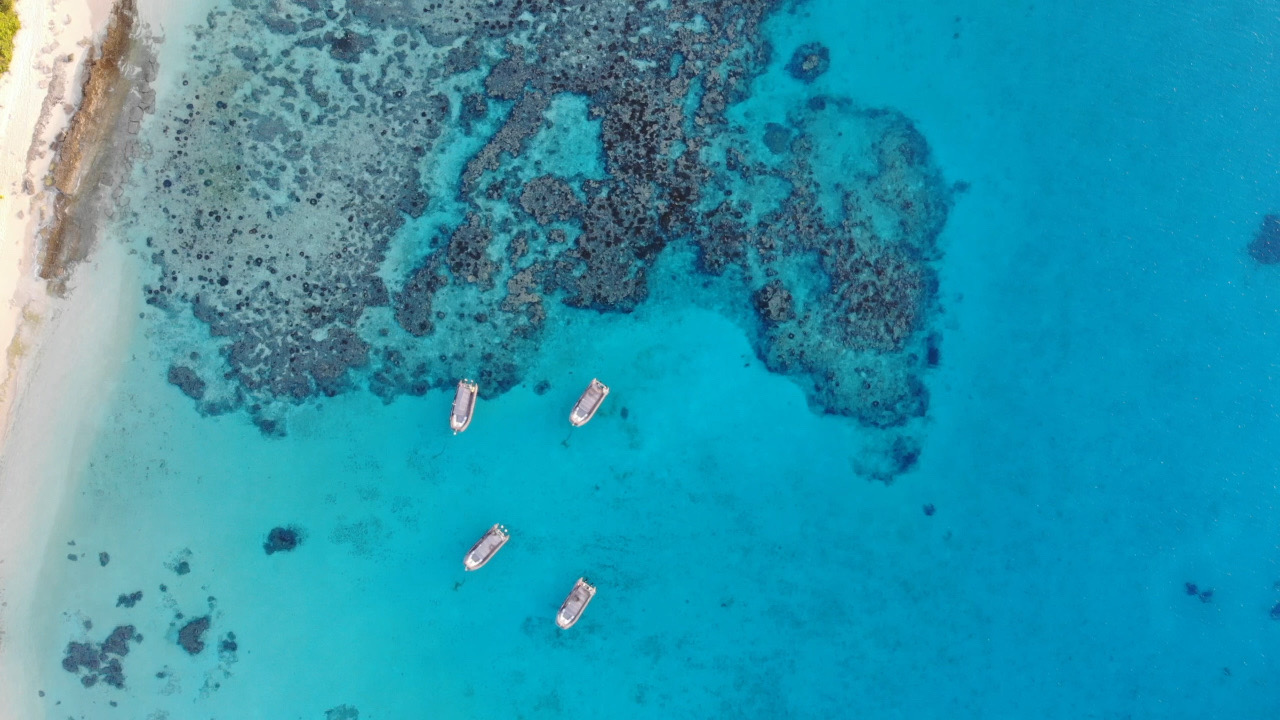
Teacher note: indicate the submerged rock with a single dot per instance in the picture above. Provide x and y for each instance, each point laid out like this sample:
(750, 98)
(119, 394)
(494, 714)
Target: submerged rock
(95, 660)
(342, 712)
(281, 539)
(187, 381)
(117, 643)
(113, 674)
(1265, 247)
(81, 655)
(191, 636)
(128, 601)
(777, 138)
(774, 303)
(809, 61)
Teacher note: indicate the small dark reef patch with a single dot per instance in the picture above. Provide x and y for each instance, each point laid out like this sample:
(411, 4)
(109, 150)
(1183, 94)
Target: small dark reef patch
(191, 636)
(281, 539)
(96, 663)
(1265, 246)
(809, 61)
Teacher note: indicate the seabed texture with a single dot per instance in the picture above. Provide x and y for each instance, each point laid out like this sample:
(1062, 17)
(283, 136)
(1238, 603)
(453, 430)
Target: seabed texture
(939, 340)
(393, 197)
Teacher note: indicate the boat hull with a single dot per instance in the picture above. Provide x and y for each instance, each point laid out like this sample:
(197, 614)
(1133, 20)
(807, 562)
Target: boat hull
(464, 405)
(588, 403)
(573, 606)
(486, 547)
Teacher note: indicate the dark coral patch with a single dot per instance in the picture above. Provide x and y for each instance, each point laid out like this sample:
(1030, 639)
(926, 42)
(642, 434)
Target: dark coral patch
(117, 643)
(342, 712)
(187, 381)
(281, 539)
(97, 661)
(1265, 246)
(809, 61)
(191, 636)
(777, 138)
(774, 303)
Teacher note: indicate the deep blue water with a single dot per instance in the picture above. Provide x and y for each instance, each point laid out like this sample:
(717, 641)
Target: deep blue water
(1097, 437)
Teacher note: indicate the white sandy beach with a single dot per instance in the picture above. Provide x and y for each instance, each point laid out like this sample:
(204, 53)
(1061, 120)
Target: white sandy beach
(50, 397)
(37, 97)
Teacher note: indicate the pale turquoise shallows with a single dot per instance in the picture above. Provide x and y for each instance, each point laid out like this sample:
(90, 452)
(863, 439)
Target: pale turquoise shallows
(1100, 433)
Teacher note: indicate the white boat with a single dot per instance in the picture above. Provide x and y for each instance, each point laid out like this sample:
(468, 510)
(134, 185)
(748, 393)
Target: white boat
(486, 547)
(589, 403)
(464, 405)
(573, 605)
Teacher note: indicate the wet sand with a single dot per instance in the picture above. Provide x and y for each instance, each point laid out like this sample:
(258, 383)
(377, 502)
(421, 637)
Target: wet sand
(63, 160)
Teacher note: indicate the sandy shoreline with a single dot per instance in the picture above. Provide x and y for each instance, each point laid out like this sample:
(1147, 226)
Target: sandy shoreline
(51, 398)
(37, 98)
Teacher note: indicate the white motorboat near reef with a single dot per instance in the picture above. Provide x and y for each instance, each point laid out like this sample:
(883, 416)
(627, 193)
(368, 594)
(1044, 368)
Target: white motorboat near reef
(588, 403)
(464, 405)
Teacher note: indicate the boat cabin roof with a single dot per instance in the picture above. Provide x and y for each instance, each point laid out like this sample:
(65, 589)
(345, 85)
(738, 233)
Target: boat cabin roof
(462, 402)
(487, 546)
(591, 398)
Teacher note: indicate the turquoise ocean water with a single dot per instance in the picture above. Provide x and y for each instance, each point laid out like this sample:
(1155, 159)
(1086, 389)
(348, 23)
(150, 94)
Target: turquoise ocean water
(1098, 436)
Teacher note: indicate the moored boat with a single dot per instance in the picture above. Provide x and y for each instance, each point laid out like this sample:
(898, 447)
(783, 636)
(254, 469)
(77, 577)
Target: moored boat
(486, 547)
(464, 405)
(573, 605)
(588, 403)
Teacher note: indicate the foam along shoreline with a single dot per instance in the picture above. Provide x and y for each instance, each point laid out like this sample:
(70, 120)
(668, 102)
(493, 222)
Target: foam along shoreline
(62, 352)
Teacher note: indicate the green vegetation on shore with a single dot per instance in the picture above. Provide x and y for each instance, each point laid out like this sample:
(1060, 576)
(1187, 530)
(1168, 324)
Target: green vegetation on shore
(8, 28)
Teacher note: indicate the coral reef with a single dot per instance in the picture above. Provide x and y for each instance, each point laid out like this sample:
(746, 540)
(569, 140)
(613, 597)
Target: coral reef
(187, 381)
(281, 539)
(97, 661)
(317, 224)
(808, 62)
(1265, 246)
(1204, 595)
(228, 645)
(128, 601)
(191, 636)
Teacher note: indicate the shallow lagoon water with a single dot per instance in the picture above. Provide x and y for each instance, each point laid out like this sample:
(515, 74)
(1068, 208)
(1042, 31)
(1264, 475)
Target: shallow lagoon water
(1096, 439)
